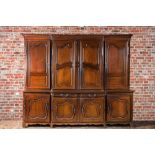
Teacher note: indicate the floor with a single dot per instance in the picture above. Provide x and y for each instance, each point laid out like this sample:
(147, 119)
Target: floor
(18, 125)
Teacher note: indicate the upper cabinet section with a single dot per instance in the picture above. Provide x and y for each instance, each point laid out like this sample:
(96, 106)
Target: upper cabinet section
(78, 62)
(91, 64)
(117, 62)
(64, 64)
(38, 61)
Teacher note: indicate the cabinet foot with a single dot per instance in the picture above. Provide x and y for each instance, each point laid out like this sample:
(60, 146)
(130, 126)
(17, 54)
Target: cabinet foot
(131, 125)
(51, 125)
(25, 125)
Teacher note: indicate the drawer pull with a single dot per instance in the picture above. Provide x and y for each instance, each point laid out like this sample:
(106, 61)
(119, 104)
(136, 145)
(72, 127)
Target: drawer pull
(74, 110)
(94, 95)
(89, 95)
(66, 95)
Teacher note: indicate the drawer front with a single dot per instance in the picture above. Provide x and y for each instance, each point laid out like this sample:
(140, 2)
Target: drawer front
(64, 108)
(119, 108)
(92, 109)
(37, 108)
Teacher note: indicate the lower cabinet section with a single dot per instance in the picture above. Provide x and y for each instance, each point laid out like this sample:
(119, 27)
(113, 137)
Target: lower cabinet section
(119, 108)
(77, 109)
(36, 108)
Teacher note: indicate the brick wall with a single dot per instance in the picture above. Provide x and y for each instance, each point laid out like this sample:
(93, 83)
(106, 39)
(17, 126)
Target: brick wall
(12, 66)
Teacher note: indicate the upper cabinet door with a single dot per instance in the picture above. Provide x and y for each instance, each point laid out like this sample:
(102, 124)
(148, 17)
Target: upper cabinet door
(38, 61)
(91, 62)
(64, 64)
(117, 62)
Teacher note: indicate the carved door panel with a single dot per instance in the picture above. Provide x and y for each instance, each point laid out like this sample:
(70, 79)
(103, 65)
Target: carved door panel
(64, 64)
(117, 63)
(92, 109)
(37, 108)
(118, 108)
(91, 57)
(64, 109)
(38, 73)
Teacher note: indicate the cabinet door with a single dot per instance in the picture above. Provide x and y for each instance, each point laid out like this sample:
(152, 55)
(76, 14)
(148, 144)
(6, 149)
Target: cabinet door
(38, 61)
(64, 109)
(91, 64)
(64, 64)
(117, 63)
(92, 109)
(118, 108)
(37, 108)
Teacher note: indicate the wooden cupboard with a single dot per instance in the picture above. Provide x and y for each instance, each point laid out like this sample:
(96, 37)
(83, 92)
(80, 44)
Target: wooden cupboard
(77, 80)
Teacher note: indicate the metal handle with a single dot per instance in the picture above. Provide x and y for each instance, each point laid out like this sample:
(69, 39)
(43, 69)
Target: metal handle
(77, 64)
(82, 110)
(74, 110)
(89, 95)
(94, 95)
(66, 95)
(108, 107)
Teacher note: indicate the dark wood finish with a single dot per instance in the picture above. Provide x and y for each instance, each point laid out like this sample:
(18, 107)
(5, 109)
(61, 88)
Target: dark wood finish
(92, 109)
(64, 64)
(77, 80)
(37, 108)
(117, 62)
(38, 62)
(64, 108)
(91, 62)
(119, 108)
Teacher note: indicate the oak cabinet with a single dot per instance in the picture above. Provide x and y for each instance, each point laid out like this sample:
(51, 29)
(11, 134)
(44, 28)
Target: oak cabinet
(77, 80)
(37, 108)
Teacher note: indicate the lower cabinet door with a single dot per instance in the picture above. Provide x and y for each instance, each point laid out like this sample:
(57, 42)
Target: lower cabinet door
(37, 108)
(119, 108)
(92, 109)
(64, 109)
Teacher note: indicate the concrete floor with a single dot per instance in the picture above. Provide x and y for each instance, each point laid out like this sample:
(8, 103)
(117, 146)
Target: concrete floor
(12, 124)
